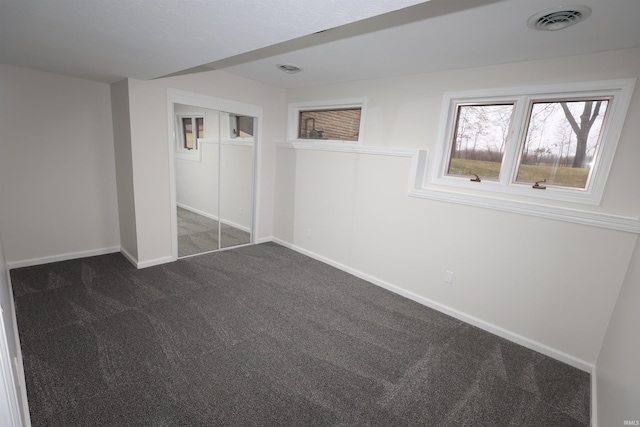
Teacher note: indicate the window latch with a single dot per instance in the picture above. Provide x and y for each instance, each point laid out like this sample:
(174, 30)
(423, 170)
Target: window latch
(537, 185)
(476, 179)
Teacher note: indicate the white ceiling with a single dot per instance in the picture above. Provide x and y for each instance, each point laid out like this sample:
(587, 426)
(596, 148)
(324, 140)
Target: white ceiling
(144, 39)
(106, 40)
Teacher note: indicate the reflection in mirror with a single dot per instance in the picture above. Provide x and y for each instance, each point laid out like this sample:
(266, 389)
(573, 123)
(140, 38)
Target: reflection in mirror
(214, 180)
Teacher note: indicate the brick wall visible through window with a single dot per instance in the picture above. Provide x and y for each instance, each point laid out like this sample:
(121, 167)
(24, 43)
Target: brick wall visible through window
(337, 124)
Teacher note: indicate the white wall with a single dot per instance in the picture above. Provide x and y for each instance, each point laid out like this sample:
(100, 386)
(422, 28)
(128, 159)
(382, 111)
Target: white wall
(57, 176)
(548, 283)
(618, 370)
(149, 121)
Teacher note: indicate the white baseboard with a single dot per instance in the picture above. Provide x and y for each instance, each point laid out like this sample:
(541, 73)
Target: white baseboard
(133, 260)
(213, 217)
(154, 262)
(62, 257)
(489, 327)
(269, 239)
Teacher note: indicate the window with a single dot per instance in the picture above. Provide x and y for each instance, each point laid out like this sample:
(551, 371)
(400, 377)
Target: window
(561, 142)
(241, 126)
(188, 125)
(339, 121)
(190, 129)
(479, 139)
(553, 142)
(341, 124)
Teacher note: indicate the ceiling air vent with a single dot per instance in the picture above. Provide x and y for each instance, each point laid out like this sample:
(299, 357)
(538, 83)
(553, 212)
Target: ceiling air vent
(558, 18)
(289, 68)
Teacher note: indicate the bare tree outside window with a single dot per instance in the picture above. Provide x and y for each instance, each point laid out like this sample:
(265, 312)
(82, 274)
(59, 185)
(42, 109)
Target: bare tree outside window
(480, 139)
(560, 138)
(561, 142)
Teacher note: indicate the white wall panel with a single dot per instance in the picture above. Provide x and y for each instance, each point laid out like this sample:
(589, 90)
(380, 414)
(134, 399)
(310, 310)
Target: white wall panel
(324, 197)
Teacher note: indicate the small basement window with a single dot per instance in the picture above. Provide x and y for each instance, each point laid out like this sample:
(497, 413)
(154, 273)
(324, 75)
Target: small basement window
(339, 121)
(554, 142)
(190, 128)
(241, 126)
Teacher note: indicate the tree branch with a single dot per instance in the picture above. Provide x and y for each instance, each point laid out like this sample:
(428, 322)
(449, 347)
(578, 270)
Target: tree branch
(596, 111)
(569, 116)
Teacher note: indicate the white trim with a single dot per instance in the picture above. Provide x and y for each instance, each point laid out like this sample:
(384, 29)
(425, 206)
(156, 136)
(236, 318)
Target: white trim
(348, 148)
(621, 92)
(489, 327)
(154, 262)
(594, 219)
(241, 142)
(296, 107)
(63, 257)
(268, 239)
(133, 260)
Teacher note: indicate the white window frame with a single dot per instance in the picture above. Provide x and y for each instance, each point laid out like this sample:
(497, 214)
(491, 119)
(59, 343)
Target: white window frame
(297, 107)
(195, 154)
(619, 90)
(233, 137)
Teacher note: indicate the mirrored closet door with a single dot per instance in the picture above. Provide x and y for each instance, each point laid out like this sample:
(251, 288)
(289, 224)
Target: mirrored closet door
(214, 178)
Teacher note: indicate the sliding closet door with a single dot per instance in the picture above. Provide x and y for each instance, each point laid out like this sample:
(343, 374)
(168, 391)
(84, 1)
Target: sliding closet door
(236, 180)
(214, 177)
(197, 159)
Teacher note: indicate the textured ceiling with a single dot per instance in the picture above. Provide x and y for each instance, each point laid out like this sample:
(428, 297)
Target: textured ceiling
(108, 40)
(440, 35)
(144, 39)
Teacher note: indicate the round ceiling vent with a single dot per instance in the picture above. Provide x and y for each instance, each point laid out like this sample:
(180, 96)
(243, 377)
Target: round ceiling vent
(558, 18)
(289, 68)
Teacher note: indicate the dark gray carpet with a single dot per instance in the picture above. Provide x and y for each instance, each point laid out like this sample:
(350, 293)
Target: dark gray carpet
(198, 234)
(263, 336)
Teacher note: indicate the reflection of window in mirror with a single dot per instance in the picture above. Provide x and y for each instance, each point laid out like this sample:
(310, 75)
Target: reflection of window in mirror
(187, 131)
(241, 126)
(189, 128)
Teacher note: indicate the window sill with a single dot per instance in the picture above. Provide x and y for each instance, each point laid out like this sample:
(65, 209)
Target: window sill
(346, 147)
(612, 222)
